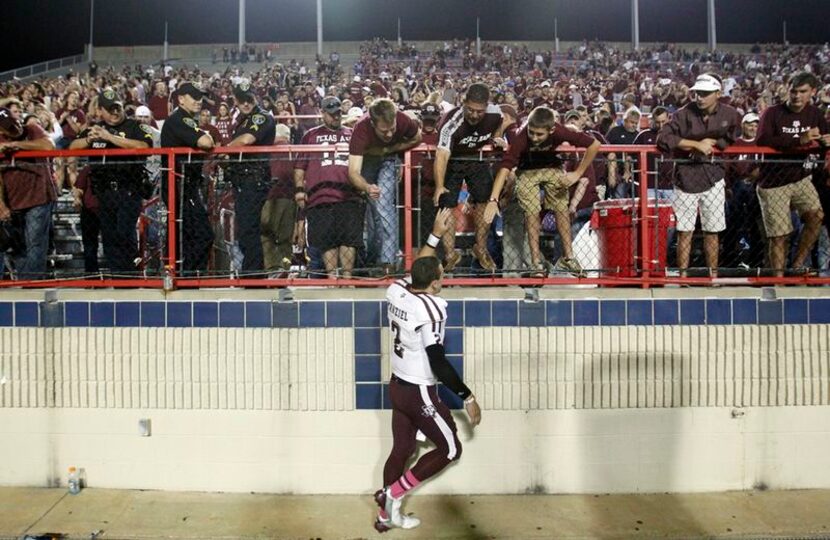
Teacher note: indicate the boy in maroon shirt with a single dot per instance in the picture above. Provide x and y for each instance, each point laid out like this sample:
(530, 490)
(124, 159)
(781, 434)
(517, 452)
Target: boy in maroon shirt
(533, 153)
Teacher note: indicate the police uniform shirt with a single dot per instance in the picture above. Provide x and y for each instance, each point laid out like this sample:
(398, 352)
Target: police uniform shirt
(260, 125)
(416, 320)
(126, 175)
(128, 129)
(180, 129)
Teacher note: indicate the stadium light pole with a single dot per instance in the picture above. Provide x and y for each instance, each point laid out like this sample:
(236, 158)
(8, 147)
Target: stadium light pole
(165, 56)
(91, 27)
(556, 35)
(713, 40)
(400, 41)
(241, 24)
(635, 25)
(478, 37)
(320, 27)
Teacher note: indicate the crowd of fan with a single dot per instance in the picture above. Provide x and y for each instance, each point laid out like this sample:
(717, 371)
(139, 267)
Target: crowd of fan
(594, 75)
(601, 84)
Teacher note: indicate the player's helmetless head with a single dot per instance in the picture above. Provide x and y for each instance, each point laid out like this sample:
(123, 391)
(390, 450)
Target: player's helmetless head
(427, 273)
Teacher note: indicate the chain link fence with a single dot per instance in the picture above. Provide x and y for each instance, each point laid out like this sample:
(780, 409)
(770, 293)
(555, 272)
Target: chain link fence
(632, 216)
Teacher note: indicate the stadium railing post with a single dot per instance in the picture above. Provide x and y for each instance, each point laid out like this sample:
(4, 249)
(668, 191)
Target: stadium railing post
(170, 267)
(407, 208)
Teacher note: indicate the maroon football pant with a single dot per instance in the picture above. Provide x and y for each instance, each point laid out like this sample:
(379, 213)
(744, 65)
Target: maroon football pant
(414, 408)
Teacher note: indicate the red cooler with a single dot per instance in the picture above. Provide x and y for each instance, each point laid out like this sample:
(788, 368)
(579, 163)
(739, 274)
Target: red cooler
(616, 222)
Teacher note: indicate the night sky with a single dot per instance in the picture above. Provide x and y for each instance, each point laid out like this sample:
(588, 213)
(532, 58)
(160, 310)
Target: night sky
(48, 29)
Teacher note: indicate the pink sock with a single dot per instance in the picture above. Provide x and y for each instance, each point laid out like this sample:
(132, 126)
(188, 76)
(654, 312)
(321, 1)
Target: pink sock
(403, 484)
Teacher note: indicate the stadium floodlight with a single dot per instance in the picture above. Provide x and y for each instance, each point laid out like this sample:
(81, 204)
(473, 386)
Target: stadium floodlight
(91, 27)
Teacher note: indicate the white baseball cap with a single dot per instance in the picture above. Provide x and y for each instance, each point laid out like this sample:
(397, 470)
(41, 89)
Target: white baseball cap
(142, 110)
(283, 131)
(355, 113)
(706, 83)
(750, 118)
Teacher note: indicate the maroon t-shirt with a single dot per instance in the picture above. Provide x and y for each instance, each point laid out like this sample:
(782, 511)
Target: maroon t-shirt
(213, 131)
(79, 117)
(459, 137)
(225, 128)
(327, 173)
(741, 166)
(158, 106)
(28, 182)
(364, 137)
(84, 183)
(423, 162)
(781, 129)
(523, 155)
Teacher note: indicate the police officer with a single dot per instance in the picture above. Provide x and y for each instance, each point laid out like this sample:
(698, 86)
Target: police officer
(250, 174)
(121, 183)
(195, 235)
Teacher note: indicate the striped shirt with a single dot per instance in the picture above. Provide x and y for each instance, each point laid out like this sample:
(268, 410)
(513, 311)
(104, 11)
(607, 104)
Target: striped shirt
(459, 137)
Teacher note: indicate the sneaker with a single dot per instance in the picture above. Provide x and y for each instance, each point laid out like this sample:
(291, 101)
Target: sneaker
(389, 515)
(568, 265)
(801, 271)
(538, 270)
(452, 260)
(484, 259)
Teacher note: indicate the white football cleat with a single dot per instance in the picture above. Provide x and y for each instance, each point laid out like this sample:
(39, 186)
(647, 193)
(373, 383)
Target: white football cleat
(391, 509)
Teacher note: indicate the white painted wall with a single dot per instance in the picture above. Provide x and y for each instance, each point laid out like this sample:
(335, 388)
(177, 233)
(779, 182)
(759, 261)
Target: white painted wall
(565, 451)
(272, 410)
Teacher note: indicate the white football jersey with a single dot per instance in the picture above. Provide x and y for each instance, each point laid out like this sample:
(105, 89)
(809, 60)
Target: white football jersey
(416, 321)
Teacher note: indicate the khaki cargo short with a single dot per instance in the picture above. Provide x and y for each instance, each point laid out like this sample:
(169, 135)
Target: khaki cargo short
(551, 181)
(778, 202)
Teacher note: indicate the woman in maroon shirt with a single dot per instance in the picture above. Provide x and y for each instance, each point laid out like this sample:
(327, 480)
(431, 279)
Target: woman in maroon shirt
(159, 103)
(224, 124)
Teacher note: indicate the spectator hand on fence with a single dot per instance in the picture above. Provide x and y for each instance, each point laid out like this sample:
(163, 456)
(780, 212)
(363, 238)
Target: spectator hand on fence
(373, 191)
(8, 147)
(491, 211)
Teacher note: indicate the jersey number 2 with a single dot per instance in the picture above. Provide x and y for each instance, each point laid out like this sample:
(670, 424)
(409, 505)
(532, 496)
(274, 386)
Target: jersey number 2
(397, 343)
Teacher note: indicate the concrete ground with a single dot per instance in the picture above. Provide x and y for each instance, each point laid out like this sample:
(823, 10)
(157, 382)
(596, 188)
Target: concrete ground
(124, 514)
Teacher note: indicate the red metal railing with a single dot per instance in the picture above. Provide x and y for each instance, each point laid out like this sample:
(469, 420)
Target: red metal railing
(646, 277)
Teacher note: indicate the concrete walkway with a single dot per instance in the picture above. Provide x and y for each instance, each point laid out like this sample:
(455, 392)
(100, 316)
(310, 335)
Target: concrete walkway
(155, 514)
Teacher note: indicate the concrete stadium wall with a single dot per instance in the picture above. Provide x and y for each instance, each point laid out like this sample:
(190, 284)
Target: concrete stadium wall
(583, 392)
(308, 50)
